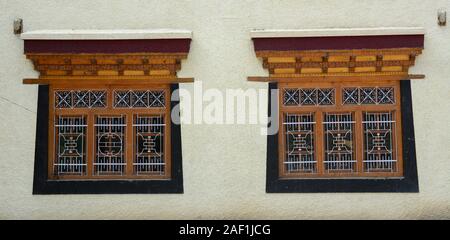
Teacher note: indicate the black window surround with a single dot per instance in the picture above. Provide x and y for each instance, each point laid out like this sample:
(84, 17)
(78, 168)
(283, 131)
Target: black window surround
(409, 183)
(41, 184)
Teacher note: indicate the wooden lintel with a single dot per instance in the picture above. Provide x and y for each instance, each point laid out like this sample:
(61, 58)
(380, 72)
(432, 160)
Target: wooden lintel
(337, 78)
(106, 80)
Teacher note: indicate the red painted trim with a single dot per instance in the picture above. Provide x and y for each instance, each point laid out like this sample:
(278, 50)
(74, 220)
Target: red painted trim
(338, 43)
(108, 46)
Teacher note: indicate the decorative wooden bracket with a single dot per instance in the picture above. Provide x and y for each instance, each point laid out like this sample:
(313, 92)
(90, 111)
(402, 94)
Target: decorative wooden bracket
(359, 55)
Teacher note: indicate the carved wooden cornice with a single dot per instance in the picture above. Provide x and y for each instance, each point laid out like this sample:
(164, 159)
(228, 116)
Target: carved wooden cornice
(108, 58)
(338, 58)
(107, 64)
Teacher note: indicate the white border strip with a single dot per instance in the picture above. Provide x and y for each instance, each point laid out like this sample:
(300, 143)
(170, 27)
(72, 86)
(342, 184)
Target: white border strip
(70, 34)
(332, 32)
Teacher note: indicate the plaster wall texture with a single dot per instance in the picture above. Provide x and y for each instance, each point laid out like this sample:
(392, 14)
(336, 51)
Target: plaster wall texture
(224, 165)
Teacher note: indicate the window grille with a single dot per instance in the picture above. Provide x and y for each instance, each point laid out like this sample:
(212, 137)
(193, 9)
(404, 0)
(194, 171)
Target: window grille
(379, 142)
(110, 141)
(299, 131)
(70, 142)
(339, 130)
(109, 133)
(149, 145)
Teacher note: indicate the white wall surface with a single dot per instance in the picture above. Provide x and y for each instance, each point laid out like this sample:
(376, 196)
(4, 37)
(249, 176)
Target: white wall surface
(224, 165)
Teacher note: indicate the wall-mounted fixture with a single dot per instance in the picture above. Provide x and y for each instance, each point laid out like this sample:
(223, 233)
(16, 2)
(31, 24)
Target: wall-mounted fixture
(442, 17)
(18, 26)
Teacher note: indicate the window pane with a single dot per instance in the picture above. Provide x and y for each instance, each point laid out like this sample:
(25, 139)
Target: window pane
(339, 142)
(70, 137)
(149, 145)
(299, 133)
(110, 141)
(379, 142)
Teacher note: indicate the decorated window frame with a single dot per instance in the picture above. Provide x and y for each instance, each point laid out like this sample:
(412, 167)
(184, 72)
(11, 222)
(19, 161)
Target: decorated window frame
(342, 104)
(109, 132)
(104, 121)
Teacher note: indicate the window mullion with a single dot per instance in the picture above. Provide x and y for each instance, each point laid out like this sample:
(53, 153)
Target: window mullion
(319, 137)
(359, 142)
(129, 145)
(91, 144)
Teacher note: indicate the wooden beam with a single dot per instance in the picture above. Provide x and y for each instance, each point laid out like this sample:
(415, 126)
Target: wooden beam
(122, 80)
(336, 78)
(331, 52)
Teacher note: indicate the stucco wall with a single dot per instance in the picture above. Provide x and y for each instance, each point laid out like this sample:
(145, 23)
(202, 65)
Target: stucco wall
(224, 165)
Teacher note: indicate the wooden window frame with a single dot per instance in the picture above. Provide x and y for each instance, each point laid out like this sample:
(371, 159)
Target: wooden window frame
(109, 110)
(339, 107)
(43, 184)
(408, 182)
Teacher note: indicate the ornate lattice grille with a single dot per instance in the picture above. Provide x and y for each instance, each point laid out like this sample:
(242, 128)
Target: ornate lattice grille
(110, 142)
(80, 99)
(70, 142)
(379, 142)
(299, 152)
(368, 95)
(339, 142)
(149, 145)
(308, 96)
(139, 99)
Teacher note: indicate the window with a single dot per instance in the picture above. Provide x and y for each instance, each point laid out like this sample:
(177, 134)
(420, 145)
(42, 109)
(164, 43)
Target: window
(341, 101)
(109, 132)
(104, 122)
(340, 130)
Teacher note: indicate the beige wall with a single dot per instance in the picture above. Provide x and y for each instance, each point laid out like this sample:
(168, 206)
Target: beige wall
(224, 166)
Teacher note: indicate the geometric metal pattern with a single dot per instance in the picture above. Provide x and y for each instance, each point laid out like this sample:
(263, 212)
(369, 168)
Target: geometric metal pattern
(308, 96)
(139, 99)
(379, 142)
(70, 137)
(368, 95)
(80, 99)
(110, 141)
(299, 152)
(339, 142)
(149, 145)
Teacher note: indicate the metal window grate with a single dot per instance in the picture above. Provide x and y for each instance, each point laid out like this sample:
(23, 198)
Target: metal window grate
(139, 99)
(110, 141)
(339, 142)
(368, 95)
(308, 96)
(379, 142)
(149, 145)
(70, 142)
(80, 99)
(299, 152)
